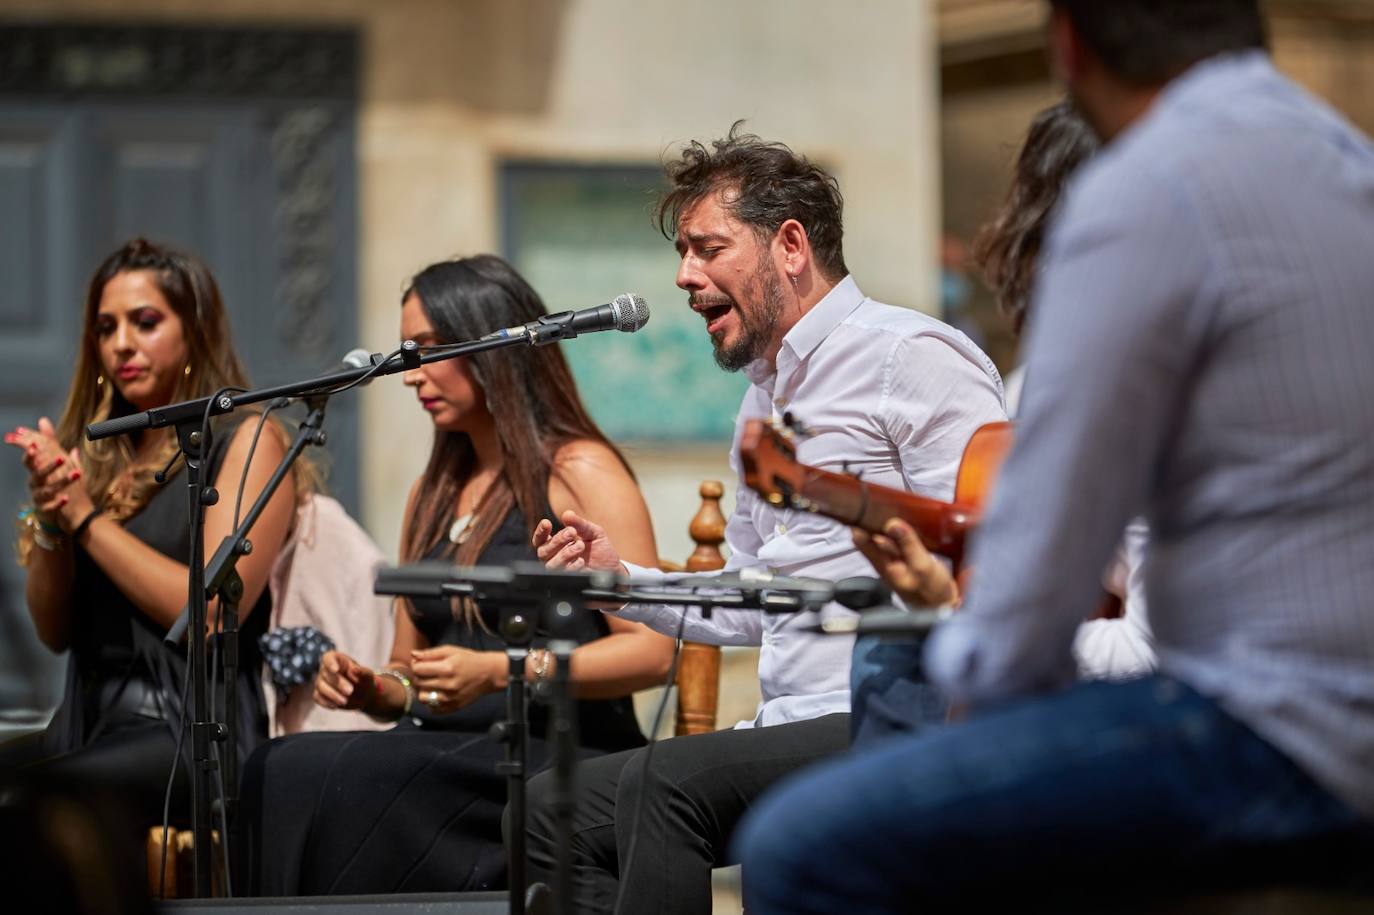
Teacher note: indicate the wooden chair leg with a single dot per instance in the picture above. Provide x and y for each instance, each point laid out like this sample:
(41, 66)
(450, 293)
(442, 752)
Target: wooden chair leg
(179, 875)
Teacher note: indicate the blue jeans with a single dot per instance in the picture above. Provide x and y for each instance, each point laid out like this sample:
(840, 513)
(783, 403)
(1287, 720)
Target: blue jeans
(889, 693)
(1098, 793)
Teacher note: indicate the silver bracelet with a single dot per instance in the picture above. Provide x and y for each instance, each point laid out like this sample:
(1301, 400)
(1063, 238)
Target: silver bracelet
(405, 685)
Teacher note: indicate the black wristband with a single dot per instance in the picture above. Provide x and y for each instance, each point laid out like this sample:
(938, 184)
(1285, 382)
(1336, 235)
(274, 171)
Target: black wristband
(85, 523)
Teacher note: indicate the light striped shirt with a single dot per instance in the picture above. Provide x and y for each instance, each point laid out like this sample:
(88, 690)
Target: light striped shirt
(888, 392)
(1201, 352)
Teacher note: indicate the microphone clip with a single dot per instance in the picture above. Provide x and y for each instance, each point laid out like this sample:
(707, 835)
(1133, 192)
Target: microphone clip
(551, 328)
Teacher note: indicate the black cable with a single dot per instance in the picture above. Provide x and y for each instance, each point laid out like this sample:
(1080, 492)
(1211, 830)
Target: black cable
(228, 688)
(252, 448)
(186, 681)
(648, 755)
(226, 697)
(171, 779)
(364, 378)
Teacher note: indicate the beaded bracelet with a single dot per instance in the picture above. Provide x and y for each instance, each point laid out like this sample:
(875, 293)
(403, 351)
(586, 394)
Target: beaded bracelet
(405, 685)
(45, 536)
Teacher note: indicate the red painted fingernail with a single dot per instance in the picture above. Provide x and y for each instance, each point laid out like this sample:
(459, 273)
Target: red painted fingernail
(74, 475)
(62, 501)
(59, 461)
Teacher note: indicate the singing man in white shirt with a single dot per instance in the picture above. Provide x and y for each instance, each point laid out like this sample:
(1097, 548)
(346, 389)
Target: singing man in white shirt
(888, 392)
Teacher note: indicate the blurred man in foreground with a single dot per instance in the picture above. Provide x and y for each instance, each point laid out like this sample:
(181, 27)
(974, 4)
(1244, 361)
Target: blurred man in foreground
(1197, 354)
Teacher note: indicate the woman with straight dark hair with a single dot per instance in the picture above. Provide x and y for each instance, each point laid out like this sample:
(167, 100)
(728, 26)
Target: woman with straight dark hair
(418, 808)
(105, 544)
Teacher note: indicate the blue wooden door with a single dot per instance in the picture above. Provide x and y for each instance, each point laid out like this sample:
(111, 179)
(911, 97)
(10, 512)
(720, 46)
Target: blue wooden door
(250, 169)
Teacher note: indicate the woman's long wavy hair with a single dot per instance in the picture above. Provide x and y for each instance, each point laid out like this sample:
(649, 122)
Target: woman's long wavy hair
(529, 391)
(115, 479)
(1007, 247)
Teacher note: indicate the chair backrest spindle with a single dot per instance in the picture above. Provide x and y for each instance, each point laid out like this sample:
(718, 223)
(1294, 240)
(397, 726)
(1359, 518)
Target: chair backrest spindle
(698, 669)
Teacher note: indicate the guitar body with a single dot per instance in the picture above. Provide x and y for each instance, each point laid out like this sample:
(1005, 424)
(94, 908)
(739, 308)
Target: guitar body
(981, 463)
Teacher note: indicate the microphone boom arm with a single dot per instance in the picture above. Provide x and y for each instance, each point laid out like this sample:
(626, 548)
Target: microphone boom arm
(408, 356)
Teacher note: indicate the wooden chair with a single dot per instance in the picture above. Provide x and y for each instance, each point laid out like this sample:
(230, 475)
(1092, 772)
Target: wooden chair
(698, 668)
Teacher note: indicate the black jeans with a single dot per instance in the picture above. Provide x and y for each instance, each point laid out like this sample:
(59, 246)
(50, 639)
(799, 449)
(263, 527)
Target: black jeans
(697, 789)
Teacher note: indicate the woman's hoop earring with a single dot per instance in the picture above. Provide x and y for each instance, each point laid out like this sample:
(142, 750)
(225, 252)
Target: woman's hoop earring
(187, 370)
(99, 380)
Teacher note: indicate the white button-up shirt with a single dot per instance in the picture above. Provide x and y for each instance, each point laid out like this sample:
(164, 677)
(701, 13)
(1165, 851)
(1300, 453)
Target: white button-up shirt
(887, 392)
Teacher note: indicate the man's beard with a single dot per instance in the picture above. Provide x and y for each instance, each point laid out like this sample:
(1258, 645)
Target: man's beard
(756, 322)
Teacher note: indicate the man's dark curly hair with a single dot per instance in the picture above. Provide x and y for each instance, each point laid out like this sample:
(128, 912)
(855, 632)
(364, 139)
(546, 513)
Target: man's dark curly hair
(1149, 42)
(766, 184)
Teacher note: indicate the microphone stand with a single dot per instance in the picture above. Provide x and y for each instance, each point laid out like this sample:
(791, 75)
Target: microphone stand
(196, 448)
(559, 596)
(220, 578)
(556, 599)
(188, 417)
(516, 630)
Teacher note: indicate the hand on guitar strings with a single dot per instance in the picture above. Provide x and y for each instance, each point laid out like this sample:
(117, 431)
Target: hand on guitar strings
(913, 572)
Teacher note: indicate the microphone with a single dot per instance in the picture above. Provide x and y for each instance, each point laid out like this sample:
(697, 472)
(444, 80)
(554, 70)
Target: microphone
(891, 621)
(862, 592)
(356, 358)
(353, 360)
(628, 313)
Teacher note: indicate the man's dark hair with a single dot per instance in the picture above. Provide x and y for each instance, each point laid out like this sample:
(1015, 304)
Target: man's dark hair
(1149, 42)
(768, 184)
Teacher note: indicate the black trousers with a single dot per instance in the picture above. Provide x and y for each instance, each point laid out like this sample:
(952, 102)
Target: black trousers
(695, 793)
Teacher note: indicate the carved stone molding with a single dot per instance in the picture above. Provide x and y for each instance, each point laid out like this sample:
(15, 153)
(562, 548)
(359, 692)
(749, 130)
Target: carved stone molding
(154, 61)
(307, 78)
(307, 185)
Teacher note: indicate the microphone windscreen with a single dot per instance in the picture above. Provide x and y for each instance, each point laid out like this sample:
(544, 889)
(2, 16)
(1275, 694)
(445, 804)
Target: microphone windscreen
(631, 312)
(357, 359)
(861, 592)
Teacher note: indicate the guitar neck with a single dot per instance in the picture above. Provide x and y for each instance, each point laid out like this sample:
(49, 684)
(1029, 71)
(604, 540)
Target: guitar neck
(942, 526)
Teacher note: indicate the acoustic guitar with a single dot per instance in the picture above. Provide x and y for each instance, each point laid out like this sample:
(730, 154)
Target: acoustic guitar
(771, 469)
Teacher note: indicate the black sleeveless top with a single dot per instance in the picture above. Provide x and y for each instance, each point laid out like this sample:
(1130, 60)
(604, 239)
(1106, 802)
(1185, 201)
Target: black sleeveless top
(112, 640)
(603, 724)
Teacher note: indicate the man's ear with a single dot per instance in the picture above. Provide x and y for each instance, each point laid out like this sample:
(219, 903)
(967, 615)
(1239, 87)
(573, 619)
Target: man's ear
(793, 246)
(1065, 46)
